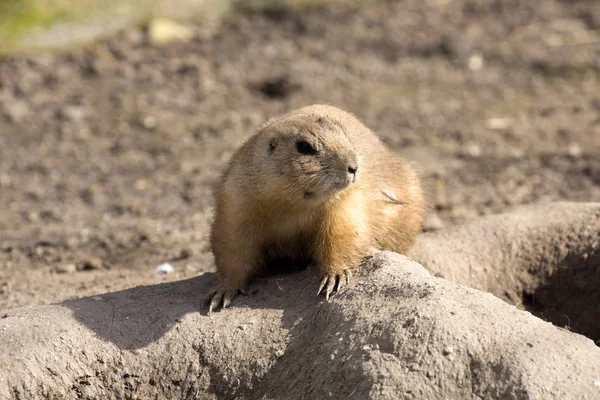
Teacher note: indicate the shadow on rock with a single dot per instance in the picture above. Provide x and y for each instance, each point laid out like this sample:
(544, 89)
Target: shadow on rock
(570, 296)
(136, 317)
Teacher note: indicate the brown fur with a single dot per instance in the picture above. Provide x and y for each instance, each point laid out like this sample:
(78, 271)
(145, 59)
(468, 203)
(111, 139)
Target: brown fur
(275, 202)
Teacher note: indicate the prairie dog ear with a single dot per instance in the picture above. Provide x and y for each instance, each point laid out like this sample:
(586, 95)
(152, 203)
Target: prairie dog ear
(273, 143)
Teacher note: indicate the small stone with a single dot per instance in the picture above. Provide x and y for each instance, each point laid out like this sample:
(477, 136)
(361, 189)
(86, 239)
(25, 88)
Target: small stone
(498, 123)
(33, 216)
(162, 31)
(5, 180)
(279, 353)
(164, 269)
(73, 113)
(475, 62)
(17, 110)
(473, 150)
(448, 350)
(149, 122)
(574, 150)
(141, 184)
(66, 268)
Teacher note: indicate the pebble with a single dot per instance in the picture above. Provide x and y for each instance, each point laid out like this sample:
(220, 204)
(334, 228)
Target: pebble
(66, 268)
(164, 269)
(149, 122)
(448, 350)
(475, 62)
(498, 123)
(16, 110)
(574, 150)
(473, 150)
(72, 113)
(5, 180)
(162, 31)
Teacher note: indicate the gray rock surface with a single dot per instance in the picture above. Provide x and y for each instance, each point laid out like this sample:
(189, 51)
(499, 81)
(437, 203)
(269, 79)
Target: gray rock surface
(395, 332)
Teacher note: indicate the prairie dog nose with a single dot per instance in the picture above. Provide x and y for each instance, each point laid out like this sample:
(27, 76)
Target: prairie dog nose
(352, 170)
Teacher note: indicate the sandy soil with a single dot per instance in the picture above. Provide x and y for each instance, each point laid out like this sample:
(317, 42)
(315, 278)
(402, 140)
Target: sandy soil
(108, 154)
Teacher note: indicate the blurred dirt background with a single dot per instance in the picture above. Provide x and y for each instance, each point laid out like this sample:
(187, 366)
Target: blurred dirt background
(109, 152)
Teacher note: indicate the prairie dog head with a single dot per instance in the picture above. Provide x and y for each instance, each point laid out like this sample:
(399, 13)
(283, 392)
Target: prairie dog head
(307, 158)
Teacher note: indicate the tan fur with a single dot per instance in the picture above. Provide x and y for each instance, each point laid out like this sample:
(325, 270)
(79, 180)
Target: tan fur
(275, 202)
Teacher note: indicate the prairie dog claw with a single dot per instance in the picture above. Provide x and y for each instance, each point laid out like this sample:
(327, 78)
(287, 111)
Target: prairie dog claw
(219, 297)
(333, 283)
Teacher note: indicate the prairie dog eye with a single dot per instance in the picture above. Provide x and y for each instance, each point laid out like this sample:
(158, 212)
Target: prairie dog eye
(305, 148)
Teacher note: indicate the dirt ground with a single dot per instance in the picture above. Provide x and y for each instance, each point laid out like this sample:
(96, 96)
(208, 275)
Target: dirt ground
(109, 154)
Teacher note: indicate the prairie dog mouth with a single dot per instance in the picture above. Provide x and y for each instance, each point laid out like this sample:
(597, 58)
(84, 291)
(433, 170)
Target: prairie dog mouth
(335, 185)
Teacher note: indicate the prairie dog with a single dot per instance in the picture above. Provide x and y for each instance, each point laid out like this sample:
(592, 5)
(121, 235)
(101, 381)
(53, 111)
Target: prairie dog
(314, 183)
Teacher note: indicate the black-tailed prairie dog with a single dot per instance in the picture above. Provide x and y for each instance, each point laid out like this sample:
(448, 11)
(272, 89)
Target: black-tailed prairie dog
(311, 184)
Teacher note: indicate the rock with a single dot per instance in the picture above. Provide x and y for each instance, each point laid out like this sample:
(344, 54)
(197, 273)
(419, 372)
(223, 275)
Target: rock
(501, 252)
(574, 150)
(395, 332)
(498, 123)
(66, 268)
(473, 149)
(162, 31)
(475, 62)
(164, 269)
(16, 110)
(5, 180)
(71, 113)
(149, 122)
